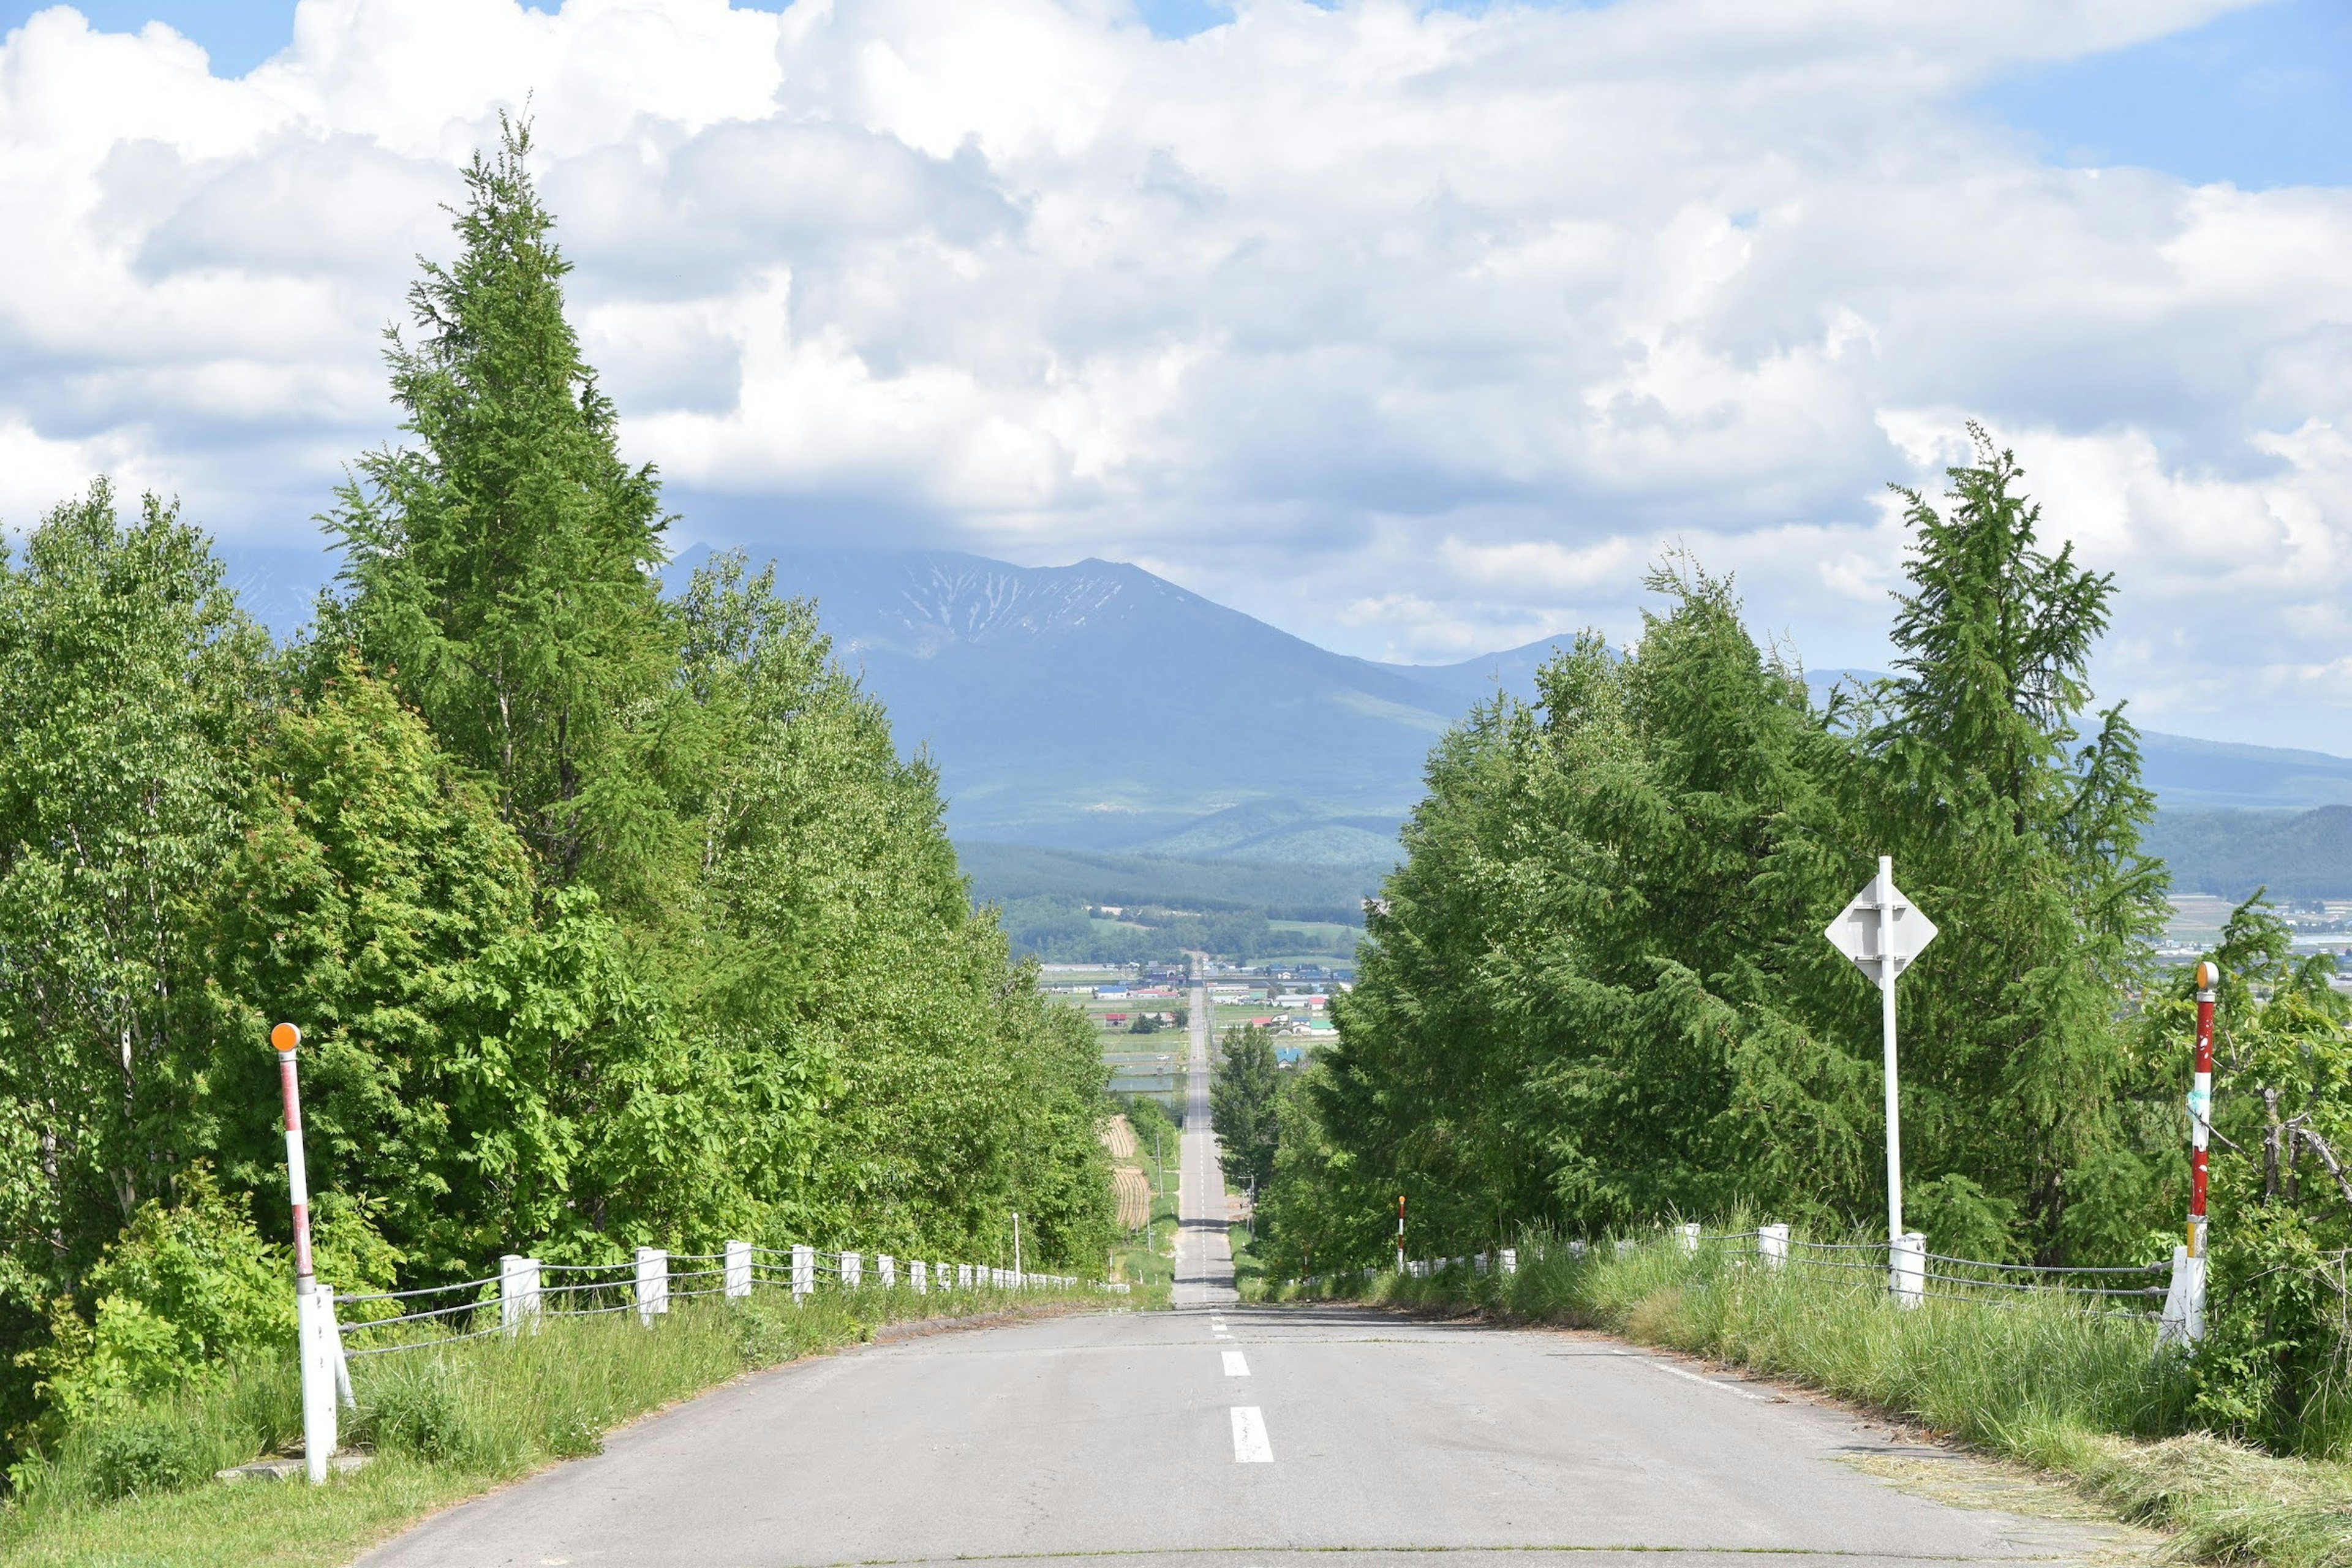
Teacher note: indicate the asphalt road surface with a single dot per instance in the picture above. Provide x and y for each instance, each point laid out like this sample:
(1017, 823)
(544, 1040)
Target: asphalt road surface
(1131, 1438)
(1204, 1256)
(1327, 1436)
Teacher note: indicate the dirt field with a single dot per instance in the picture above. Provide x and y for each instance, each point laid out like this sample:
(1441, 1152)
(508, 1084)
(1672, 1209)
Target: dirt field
(1134, 1198)
(1118, 1138)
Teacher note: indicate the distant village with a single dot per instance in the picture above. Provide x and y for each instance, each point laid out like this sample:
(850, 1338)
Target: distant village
(1290, 1001)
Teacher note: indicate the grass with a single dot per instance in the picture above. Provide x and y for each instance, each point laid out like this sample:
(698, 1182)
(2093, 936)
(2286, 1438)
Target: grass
(442, 1424)
(1249, 1273)
(2082, 1396)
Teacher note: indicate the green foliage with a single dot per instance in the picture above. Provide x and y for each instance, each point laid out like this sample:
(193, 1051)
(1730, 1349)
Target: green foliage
(609, 920)
(184, 1288)
(1598, 987)
(127, 683)
(1960, 1219)
(2276, 1366)
(504, 570)
(1242, 1105)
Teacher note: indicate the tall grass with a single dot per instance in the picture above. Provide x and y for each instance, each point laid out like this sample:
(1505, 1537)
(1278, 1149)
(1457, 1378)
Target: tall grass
(440, 1419)
(2049, 1381)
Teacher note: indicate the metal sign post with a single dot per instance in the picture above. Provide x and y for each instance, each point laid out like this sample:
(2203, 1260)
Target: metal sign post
(1882, 931)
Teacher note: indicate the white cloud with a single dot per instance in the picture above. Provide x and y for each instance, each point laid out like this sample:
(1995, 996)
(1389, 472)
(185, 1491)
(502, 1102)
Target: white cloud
(1417, 330)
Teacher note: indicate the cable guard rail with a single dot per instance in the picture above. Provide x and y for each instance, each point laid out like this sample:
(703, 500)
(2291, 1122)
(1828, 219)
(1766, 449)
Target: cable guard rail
(521, 1292)
(1906, 1267)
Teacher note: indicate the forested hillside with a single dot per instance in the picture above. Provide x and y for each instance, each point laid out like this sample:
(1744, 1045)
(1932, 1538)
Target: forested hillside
(2294, 854)
(610, 918)
(1598, 995)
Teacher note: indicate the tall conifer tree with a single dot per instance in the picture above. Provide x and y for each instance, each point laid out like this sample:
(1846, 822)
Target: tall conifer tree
(504, 569)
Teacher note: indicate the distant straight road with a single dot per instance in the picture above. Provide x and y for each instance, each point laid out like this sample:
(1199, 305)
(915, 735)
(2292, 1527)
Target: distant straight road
(1204, 1254)
(1318, 1436)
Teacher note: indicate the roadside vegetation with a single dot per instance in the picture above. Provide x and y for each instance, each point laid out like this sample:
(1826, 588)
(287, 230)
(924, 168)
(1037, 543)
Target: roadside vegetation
(611, 917)
(1145, 1260)
(2040, 1380)
(133, 1485)
(1596, 994)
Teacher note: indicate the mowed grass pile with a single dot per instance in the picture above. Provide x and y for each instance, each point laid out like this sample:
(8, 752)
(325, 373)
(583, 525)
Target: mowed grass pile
(441, 1423)
(2038, 1379)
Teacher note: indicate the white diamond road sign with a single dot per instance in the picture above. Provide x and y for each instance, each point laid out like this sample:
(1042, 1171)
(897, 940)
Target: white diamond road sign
(1856, 932)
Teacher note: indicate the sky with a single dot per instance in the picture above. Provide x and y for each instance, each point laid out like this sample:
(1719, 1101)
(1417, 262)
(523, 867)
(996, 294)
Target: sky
(1417, 330)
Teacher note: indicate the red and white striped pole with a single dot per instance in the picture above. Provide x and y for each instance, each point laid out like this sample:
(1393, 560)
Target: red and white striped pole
(1399, 1233)
(2200, 1106)
(286, 1039)
(313, 1312)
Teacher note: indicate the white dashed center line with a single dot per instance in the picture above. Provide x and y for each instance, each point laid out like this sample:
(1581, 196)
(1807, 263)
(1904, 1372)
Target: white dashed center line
(1250, 1444)
(1234, 1366)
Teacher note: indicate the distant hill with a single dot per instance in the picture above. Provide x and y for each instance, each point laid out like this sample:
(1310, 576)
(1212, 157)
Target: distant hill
(1099, 708)
(2297, 855)
(1002, 873)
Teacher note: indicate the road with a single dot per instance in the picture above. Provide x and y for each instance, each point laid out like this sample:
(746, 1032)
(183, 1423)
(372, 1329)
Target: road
(1345, 1436)
(1122, 1439)
(1204, 1255)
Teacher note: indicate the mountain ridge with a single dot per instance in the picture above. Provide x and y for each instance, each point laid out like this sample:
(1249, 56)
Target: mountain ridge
(1100, 708)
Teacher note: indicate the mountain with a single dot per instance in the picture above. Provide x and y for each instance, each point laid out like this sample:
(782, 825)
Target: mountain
(1099, 708)
(2296, 855)
(2186, 773)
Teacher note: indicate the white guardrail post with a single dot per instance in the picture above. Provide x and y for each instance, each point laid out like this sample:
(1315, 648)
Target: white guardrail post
(918, 1274)
(804, 1270)
(653, 1283)
(517, 1292)
(853, 1270)
(2183, 1322)
(885, 1271)
(1510, 1260)
(963, 1276)
(1690, 1234)
(738, 1275)
(1908, 1275)
(1773, 1245)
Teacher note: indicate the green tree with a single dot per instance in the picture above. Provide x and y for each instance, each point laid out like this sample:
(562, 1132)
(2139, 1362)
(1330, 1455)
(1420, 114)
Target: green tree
(503, 571)
(1242, 1105)
(1596, 990)
(129, 687)
(2022, 840)
(905, 1087)
(480, 1072)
